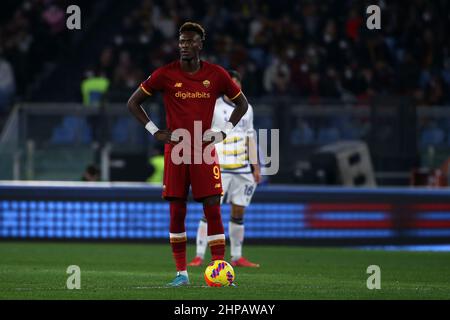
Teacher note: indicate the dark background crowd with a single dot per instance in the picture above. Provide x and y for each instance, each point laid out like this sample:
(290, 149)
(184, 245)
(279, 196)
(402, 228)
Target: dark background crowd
(308, 49)
(291, 54)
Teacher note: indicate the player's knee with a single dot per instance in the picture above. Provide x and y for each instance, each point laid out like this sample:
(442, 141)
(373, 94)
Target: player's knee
(211, 213)
(178, 201)
(178, 206)
(237, 211)
(211, 201)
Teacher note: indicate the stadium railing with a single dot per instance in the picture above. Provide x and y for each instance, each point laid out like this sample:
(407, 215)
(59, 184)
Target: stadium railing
(37, 134)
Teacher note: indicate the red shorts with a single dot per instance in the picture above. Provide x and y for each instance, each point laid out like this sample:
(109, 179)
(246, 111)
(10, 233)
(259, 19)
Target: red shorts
(205, 179)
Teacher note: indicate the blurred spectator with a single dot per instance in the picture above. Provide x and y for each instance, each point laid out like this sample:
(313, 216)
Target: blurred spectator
(330, 86)
(107, 62)
(156, 162)
(54, 16)
(126, 74)
(91, 173)
(93, 88)
(353, 24)
(277, 77)
(435, 93)
(307, 49)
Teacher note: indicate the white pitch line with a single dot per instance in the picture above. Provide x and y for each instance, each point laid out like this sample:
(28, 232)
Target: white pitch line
(107, 288)
(164, 287)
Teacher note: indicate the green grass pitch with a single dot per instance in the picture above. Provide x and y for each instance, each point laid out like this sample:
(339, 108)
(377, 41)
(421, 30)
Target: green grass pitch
(37, 270)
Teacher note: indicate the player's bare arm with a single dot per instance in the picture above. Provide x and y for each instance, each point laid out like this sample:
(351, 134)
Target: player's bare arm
(241, 108)
(135, 106)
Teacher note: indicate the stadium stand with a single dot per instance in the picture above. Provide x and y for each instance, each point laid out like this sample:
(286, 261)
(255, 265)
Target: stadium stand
(274, 45)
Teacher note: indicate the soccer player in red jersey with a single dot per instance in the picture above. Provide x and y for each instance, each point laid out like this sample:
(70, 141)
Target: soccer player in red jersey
(190, 87)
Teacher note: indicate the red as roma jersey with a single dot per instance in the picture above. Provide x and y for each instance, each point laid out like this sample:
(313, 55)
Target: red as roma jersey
(190, 97)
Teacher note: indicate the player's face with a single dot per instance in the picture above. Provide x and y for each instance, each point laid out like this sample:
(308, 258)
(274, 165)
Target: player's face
(189, 44)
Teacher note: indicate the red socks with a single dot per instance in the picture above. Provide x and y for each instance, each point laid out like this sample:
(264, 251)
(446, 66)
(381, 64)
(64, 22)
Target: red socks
(216, 235)
(178, 233)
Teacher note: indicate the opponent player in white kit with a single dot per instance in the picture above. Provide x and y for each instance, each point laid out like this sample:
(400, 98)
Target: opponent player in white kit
(239, 177)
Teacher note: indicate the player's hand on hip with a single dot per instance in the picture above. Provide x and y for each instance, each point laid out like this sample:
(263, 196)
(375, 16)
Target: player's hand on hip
(213, 136)
(166, 136)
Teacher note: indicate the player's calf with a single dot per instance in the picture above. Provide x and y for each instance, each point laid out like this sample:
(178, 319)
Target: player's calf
(216, 234)
(201, 243)
(178, 237)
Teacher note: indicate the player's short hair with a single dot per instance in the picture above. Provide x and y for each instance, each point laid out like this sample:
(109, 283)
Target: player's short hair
(235, 74)
(195, 27)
